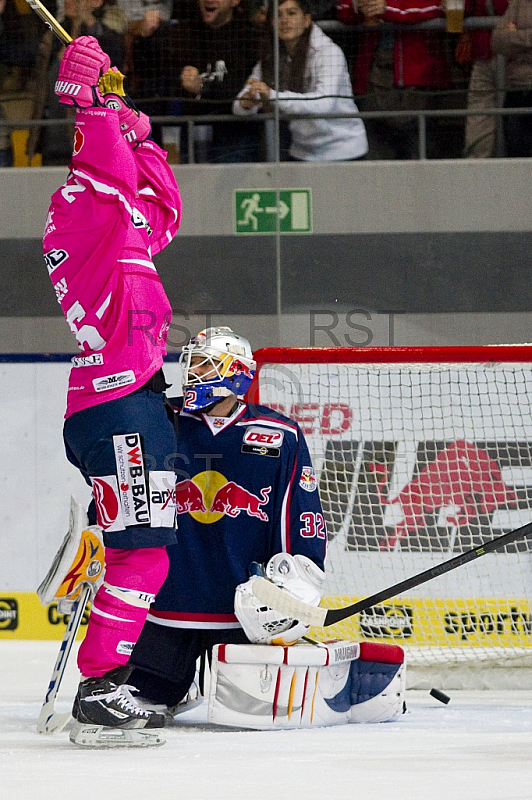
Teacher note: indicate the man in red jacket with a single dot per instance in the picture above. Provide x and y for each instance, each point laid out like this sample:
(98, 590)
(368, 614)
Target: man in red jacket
(396, 70)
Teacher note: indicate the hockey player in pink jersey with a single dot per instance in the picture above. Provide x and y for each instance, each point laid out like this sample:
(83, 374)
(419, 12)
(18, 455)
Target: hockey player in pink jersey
(119, 206)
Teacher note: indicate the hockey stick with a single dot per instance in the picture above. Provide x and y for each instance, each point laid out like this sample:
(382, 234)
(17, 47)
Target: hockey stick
(50, 20)
(49, 721)
(275, 597)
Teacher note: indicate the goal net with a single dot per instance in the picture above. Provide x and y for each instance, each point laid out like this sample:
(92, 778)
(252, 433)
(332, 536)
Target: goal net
(420, 454)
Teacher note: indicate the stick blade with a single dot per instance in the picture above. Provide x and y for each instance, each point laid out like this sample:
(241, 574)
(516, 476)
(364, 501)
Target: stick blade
(274, 597)
(52, 723)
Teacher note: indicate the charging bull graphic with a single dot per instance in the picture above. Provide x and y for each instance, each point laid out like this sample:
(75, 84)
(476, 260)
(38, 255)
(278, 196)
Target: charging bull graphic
(188, 497)
(232, 498)
(209, 496)
(463, 479)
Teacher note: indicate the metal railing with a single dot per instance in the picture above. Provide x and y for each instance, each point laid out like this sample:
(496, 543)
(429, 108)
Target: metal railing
(190, 122)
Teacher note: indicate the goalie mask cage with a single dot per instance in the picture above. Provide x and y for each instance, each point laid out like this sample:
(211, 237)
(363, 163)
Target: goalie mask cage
(420, 454)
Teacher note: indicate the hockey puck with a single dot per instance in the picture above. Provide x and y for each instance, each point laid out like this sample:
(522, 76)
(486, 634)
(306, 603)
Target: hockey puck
(443, 698)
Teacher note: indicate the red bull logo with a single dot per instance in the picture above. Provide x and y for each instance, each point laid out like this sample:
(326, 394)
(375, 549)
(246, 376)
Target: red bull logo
(232, 498)
(209, 496)
(188, 497)
(239, 368)
(463, 482)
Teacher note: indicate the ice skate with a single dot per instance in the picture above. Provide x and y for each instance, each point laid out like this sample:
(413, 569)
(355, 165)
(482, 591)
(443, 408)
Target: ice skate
(106, 715)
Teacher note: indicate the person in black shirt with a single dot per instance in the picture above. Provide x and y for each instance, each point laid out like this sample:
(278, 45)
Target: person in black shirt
(198, 65)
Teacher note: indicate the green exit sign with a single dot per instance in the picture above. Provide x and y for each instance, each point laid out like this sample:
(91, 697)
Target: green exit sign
(257, 210)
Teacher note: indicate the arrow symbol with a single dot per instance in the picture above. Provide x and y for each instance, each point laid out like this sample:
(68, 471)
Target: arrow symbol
(282, 209)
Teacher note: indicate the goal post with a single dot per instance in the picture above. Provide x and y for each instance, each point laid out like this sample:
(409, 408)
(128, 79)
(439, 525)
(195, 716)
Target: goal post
(420, 454)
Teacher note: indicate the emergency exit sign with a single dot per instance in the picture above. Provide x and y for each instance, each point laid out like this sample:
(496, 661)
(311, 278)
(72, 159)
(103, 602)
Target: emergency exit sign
(257, 210)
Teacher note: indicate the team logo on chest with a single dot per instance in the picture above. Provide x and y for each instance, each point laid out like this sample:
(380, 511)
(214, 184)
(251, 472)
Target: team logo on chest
(262, 441)
(208, 496)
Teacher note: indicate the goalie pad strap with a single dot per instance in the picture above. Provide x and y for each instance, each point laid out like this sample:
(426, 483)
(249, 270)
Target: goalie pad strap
(261, 687)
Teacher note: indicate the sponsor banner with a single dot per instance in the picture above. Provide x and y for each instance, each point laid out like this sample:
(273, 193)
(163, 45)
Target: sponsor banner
(131, 479)
(418, 622)
(430, 621)
(162, 499)
(23, 617)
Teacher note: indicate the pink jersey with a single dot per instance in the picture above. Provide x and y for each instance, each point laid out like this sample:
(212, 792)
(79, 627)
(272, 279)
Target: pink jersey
(117, 209)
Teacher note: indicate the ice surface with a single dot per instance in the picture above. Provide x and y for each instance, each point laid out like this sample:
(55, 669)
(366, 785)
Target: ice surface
(479, 747)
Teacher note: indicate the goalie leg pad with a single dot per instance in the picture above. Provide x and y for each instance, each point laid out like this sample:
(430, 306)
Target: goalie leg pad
(79, 561)
(378, 682)
(119, 610)
(263, 687)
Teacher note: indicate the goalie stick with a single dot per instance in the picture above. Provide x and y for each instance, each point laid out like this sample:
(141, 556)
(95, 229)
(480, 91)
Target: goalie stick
(273, 596)
(50, 20)
(49, 721)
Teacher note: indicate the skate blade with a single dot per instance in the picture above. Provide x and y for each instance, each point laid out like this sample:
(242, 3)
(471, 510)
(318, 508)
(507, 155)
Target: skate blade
(98, 736)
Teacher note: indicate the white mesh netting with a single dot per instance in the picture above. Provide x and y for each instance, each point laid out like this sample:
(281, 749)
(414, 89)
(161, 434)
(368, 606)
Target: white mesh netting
(417, 463)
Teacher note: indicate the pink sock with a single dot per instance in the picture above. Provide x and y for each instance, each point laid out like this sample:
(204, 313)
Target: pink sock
(117, 616)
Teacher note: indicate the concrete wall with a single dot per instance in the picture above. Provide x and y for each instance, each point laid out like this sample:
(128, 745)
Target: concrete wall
(433, 252)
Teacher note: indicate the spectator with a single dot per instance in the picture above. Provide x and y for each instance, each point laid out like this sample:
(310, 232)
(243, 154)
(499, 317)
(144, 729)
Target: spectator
(203, 62)
(396, 70)
(82, 18)
(313, 79)
(480, 131)
(18, 43)
(512, 39)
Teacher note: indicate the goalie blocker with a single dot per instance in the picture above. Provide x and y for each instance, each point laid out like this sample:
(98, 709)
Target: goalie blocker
(304, 686)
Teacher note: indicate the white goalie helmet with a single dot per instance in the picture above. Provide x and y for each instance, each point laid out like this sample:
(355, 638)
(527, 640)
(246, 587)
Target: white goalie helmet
(231, 363)
(297, 575)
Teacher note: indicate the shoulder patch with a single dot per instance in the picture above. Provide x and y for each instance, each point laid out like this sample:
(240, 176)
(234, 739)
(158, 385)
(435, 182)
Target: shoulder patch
(308, 480)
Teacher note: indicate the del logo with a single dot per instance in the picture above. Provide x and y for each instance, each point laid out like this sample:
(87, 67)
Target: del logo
(308, 480)
(8, 614)
(262, 441)
(387, 622)
(79, 140)
(209, 496)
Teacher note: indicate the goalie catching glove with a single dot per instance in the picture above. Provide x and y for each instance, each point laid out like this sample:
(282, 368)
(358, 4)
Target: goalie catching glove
(78, 562)
(134, 125)
(297, 575)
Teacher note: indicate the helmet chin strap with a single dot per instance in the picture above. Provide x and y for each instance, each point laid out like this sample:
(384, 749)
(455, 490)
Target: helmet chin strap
(212, 406)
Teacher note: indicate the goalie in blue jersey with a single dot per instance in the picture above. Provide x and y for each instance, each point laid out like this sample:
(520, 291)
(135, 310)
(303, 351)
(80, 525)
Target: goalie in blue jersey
(245, 494)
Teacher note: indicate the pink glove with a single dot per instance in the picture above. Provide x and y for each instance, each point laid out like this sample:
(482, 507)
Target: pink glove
(134, 125)
(81, 66)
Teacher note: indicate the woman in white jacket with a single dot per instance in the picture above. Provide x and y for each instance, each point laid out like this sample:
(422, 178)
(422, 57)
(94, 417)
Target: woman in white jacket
(314, 79)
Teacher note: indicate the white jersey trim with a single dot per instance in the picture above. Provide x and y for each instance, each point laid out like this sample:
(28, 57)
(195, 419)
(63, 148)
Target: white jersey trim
(104, 188)
(181, 623)
(99, 613)
(141, 262)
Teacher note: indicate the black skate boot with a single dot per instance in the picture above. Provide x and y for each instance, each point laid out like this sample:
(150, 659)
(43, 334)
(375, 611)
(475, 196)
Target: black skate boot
(106, 715)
